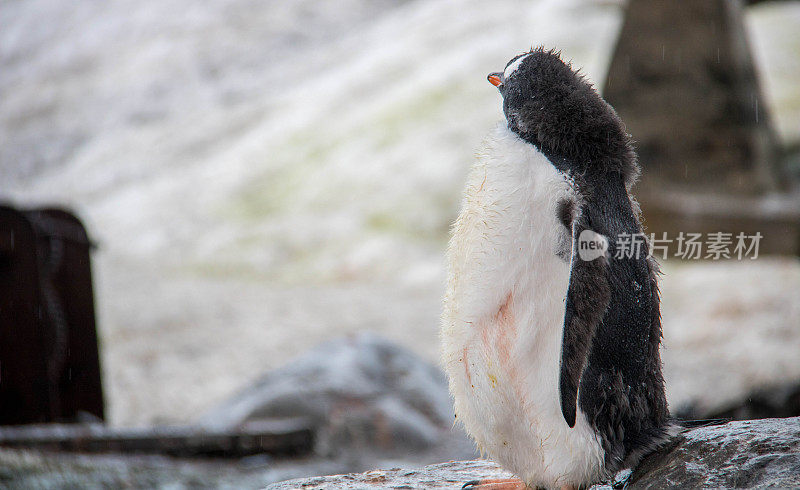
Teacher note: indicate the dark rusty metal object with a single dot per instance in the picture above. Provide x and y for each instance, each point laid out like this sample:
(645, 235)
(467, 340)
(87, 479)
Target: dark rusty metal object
(49, 361)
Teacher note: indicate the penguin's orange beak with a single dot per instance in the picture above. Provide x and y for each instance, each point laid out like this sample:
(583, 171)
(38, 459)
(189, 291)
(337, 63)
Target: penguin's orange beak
(495, 79)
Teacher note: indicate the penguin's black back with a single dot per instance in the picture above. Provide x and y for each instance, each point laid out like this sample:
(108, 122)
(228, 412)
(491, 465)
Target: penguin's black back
(622, 387)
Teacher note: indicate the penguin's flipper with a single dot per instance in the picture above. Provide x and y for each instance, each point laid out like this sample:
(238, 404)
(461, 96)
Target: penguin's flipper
(588, 296)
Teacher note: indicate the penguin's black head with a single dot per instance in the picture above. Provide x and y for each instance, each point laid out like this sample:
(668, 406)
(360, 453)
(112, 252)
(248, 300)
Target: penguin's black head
(552, 106)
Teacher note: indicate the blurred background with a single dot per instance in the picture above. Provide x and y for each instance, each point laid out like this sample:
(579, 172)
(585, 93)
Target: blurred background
(262, 177)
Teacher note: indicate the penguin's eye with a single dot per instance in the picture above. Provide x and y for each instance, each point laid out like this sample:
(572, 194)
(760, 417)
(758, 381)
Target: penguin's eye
(565, 211)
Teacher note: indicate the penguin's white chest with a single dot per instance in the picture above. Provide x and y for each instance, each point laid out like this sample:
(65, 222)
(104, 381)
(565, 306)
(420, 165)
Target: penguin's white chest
(503, 316)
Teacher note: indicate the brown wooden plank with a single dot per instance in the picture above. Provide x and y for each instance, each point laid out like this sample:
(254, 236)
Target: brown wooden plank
(280, 438)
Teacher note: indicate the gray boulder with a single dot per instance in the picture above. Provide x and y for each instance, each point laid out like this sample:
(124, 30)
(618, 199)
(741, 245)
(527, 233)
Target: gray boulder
(359, 394)
(743, 454)
(747, 454)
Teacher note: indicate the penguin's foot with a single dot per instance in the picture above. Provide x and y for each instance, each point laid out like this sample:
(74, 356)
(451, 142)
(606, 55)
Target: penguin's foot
(498, 484)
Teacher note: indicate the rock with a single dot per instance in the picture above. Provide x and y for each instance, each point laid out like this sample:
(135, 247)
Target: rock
(445, 475)
(755, 453)
(21, 469)
(744, 454)
(361, 395)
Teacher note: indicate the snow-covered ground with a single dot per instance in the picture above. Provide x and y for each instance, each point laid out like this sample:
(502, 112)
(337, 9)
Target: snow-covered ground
(261, 176)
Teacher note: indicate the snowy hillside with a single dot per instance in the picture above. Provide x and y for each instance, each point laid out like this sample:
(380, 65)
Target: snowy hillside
(263, 175)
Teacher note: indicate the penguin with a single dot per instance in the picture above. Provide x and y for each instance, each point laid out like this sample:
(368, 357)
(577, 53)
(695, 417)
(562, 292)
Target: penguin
(550, 335)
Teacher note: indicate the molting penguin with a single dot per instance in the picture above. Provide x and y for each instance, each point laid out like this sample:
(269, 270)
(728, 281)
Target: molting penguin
(553, 354)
